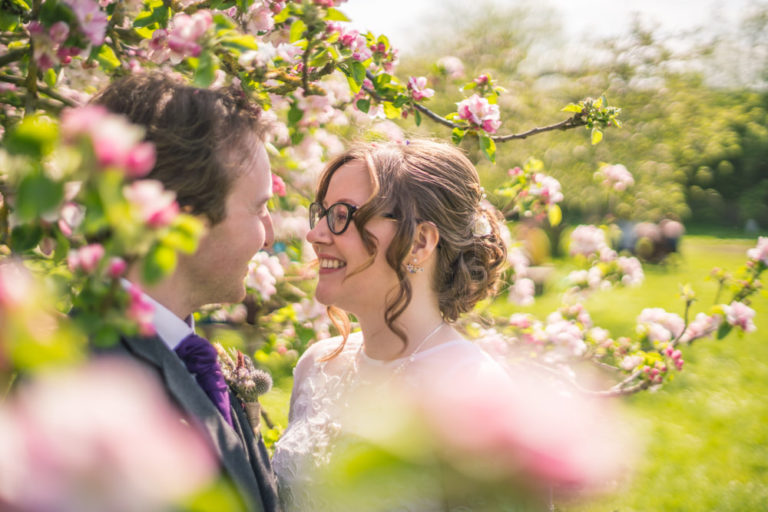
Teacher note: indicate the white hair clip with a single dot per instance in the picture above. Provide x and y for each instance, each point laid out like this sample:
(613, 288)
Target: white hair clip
(482, 226)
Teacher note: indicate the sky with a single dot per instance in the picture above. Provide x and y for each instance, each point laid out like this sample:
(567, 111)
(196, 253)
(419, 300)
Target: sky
(403, 21)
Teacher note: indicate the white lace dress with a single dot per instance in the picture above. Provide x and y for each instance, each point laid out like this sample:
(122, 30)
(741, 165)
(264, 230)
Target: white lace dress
(321, 395)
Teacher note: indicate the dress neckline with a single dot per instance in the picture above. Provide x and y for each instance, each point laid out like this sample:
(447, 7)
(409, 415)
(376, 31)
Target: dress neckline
(415, 357)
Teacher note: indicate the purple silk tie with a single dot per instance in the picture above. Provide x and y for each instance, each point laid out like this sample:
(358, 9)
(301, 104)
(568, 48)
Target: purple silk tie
(201, 360)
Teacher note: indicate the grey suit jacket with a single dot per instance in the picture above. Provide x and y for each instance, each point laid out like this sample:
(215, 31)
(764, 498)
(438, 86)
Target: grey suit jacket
(242, 458)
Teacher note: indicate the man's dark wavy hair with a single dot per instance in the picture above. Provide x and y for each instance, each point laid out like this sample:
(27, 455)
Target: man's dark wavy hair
(202, 137)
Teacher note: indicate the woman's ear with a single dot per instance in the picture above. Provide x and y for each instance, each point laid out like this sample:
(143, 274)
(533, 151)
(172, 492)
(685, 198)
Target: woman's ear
(425, 240)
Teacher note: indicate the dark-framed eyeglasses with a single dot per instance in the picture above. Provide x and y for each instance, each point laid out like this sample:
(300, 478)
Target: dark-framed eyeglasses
(338, 216)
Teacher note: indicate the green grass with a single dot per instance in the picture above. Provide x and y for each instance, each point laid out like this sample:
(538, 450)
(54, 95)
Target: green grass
(705, 433)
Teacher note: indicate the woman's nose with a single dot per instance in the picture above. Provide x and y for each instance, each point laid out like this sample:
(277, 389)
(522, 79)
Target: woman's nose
(320, 234)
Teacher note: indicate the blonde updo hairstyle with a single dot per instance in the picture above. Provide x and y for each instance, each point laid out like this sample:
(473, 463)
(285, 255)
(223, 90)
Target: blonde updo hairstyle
(426, 181)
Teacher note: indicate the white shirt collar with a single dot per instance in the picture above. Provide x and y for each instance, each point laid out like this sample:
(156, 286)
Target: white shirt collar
(169, 327)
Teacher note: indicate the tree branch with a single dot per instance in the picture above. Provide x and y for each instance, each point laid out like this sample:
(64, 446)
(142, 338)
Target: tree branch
(12, 56)
(568, 124)
(45, 90)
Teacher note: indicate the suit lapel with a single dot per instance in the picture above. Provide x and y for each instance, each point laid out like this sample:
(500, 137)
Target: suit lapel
(191, 397)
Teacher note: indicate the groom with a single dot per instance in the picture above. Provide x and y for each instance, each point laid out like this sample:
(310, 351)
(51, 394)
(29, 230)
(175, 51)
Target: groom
(210, 152)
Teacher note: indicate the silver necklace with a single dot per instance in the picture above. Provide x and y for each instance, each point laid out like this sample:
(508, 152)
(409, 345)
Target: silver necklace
(411, 358)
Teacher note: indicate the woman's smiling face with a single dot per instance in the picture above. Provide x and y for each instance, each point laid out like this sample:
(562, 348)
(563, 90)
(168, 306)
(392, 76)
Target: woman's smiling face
(341, 282)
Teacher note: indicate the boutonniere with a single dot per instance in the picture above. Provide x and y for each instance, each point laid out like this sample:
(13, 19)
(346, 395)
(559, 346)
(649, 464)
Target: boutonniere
(246, 381)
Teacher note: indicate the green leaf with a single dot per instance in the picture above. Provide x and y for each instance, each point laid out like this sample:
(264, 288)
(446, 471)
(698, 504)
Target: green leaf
(242, 42)
(38, 195)
(298, 28)
(457, 135)
(25, 237)
(554, 215)
(159, 14)
(184, 234)
(107, 58)
(364, 105)
(597, 135)
(205, 73)
(50, 77)
(335, 15)
(159, 262)
(358, 72)
(391, 111)
(417, 117)
(724, 329)
(35, 136)
(223, 22)
(572, 107)
(488, 146)
(294, 114)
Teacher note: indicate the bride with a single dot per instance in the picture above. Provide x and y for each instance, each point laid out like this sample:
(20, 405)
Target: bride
(405, 245)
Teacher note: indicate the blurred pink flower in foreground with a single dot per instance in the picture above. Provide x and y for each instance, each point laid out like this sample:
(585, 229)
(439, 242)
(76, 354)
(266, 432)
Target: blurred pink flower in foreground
(154, 205)
(99, 437)
(116, 142)
(527, 430)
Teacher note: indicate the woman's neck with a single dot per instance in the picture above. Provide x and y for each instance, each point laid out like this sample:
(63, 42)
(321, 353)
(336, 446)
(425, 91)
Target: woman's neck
(380, 342)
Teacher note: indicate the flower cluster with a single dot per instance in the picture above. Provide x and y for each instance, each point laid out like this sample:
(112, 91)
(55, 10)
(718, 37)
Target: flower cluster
(607, 267)
(183, 37)
(532, 193)
(759, 253)
(480, 114)
(263, 273)
(84, 438)
(116, 143)
(418, 88)
(615, 176)
(151, 203)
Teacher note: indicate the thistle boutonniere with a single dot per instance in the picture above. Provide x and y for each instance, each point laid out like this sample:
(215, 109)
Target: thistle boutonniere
(247, 382)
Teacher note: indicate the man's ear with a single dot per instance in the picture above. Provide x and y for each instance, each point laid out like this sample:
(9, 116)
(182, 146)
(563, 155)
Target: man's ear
(425, 239)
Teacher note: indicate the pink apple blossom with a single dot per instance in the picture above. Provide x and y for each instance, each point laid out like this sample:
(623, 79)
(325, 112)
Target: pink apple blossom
(153, 204)
(102, 436)
(140, 160)
(615, 176)
(263, 273)
(703, 325)
(86, 258)
(659, 324)
(740, 315)
(186, 31)
(480, 113)
(451, 66)
(587, 240)
(141, 311)
(629, 363)
(92, 20)
(418, 88)
(259, 17)
(524, 428)
(547, 187)
(631, 270)
(759, 252)
(16, 284)
(117, 267)
(71, 216)
(278, 185)
(522, 292)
